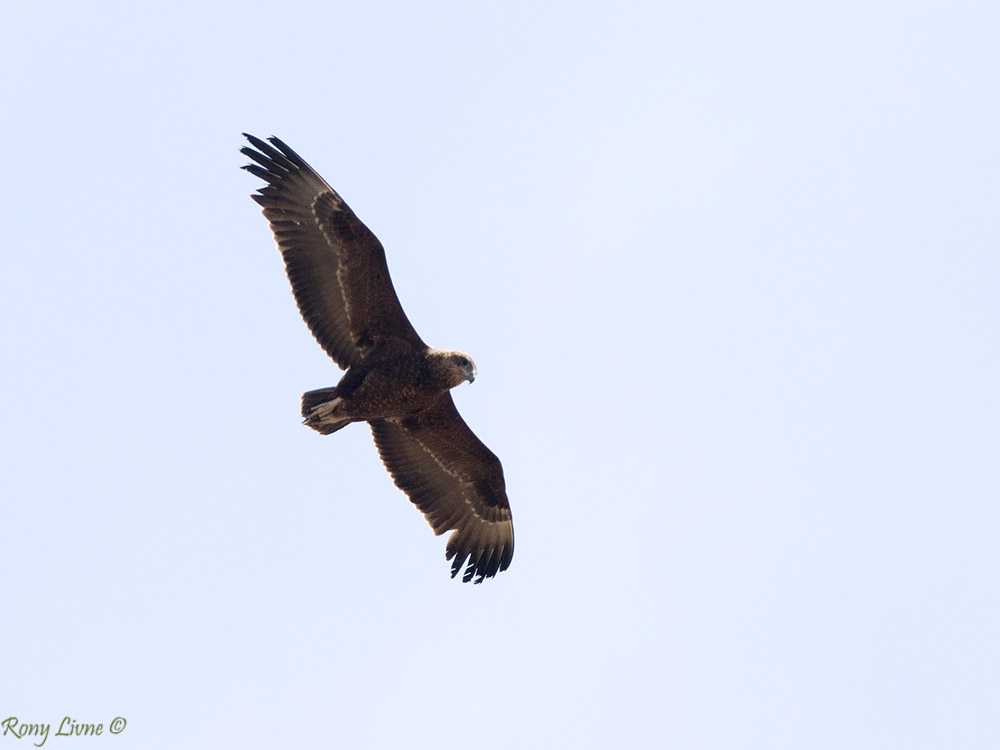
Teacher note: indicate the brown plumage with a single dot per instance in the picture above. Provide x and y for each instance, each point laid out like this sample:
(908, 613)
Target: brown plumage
(393, 380)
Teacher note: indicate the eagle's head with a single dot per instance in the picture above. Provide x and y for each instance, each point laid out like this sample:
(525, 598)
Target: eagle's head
(458, 366)
(466, 365)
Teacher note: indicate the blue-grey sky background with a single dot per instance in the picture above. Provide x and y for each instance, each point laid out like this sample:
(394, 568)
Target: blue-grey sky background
(730, 275)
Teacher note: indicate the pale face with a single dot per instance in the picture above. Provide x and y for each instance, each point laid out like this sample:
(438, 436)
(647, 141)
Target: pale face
(467, 366)
(463, 364)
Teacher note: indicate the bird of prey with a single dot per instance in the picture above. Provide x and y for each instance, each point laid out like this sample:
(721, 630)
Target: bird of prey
(393, 380)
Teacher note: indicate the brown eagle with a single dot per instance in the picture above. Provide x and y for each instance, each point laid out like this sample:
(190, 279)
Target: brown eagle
(393, 380)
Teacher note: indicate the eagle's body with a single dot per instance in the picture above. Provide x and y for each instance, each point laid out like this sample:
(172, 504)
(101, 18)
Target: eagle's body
(396, 385)
(393, 380)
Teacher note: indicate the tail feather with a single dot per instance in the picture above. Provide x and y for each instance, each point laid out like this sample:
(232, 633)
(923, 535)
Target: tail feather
(318, 409)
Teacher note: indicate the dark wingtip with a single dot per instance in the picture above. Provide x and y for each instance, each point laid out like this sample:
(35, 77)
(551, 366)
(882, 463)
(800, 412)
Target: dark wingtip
(485, 564)
(274, 154)
(257, 142)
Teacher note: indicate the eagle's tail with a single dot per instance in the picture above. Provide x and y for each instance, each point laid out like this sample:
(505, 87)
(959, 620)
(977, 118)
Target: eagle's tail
(319, 409)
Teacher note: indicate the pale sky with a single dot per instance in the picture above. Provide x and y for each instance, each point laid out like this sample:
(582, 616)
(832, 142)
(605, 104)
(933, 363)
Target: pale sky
(730, 276)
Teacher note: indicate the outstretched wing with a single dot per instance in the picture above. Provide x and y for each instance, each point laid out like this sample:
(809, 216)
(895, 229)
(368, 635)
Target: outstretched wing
(335, 264)
(456, 481)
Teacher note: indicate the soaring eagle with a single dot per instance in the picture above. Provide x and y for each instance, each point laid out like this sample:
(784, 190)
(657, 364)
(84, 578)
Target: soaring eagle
(393, 380)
